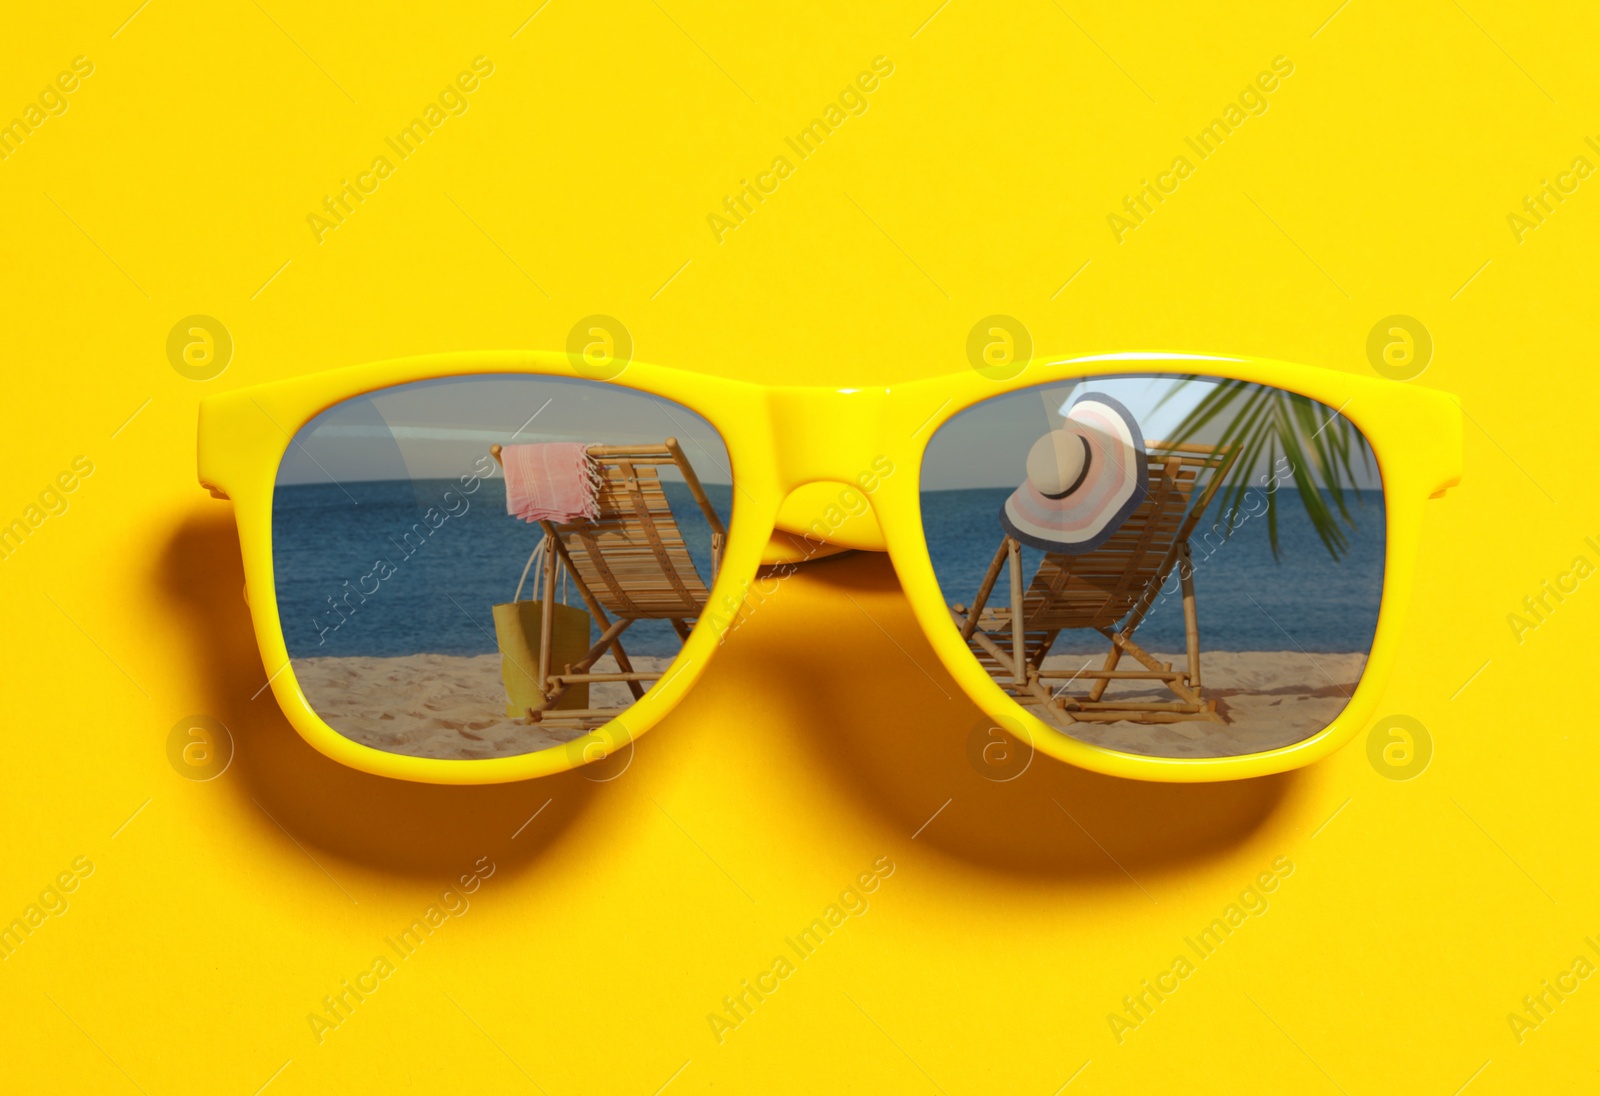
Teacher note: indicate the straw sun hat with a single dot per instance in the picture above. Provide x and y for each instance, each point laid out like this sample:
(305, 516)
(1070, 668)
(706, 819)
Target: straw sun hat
(1084, 479)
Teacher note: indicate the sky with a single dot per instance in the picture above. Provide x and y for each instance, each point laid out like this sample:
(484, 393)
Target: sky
(987, 444)
(440, 429)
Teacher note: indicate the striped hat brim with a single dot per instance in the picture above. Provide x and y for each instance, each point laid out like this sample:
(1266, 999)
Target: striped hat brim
(1115, 480)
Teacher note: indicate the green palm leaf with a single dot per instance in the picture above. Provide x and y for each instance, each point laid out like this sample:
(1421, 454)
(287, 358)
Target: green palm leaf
(1321, 448)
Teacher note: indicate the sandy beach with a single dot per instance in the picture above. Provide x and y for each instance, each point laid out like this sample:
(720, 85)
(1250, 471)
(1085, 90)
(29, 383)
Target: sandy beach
(448, 706)
(453, 706)
(1267, 698)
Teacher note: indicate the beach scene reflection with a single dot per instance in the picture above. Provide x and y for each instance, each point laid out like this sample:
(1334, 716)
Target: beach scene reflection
(1198, 563)
(483, 567)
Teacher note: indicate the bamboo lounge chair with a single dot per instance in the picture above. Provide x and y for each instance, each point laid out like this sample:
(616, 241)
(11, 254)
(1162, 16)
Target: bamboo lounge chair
(630, 562)
(1110, 589)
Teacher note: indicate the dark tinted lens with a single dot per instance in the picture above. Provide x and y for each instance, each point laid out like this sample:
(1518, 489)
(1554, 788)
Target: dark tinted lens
(1198, 563)
(437, 604)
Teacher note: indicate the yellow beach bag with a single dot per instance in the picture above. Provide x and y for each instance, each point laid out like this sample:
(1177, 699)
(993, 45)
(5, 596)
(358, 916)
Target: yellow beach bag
(517, 626)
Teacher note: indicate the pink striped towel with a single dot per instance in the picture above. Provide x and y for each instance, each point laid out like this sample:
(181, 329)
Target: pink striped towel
(551, 481)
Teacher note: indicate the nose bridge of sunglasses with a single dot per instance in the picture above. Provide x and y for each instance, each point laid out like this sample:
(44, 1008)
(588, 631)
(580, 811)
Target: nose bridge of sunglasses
(826, 517)
(832, 460)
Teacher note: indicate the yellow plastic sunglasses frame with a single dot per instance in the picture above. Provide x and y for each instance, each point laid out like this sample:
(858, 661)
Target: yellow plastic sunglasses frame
(779, 441)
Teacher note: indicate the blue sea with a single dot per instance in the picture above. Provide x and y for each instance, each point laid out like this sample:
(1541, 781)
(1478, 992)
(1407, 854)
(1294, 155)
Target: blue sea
(1301, 600)
(449, 557)
(444, 580)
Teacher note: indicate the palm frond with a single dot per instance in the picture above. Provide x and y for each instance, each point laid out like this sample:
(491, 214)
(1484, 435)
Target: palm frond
(1319, 444)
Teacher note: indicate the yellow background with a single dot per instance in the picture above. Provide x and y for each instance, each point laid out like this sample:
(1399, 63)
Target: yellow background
(1419, 913)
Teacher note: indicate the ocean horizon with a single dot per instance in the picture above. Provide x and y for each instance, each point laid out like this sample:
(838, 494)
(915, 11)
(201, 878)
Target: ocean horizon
(386, 568)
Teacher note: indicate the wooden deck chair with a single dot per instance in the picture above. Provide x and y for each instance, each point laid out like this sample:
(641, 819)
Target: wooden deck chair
(1110, 589)
(630, 563)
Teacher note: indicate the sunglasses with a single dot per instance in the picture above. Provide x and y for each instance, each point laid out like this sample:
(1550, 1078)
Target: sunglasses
(486, 567)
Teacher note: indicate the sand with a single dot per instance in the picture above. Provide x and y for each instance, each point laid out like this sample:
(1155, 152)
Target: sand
(453, 706)
(1267, 698)
(449, 706)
